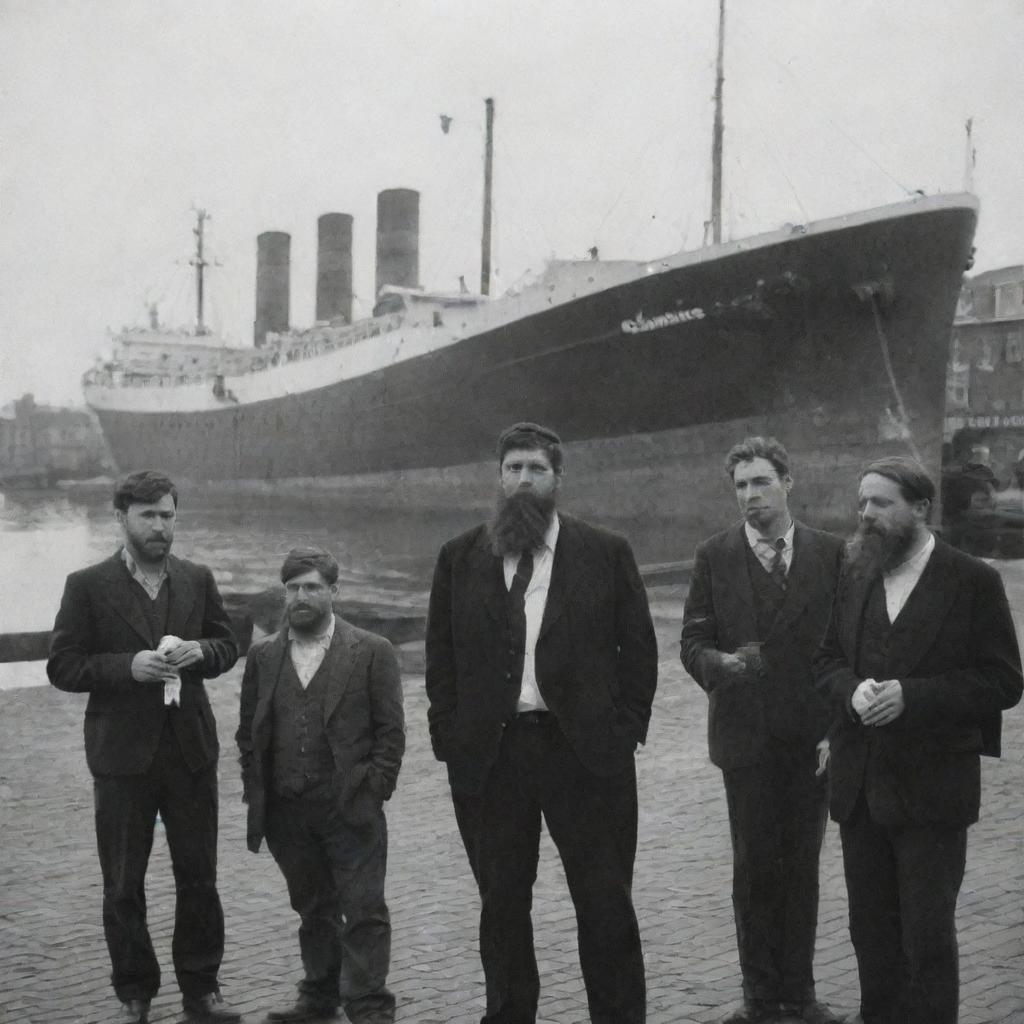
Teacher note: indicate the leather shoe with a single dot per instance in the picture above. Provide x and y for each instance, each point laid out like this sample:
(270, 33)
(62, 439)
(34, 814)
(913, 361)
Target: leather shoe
(134, 1011)
(750, 1011)
(209, 1009)
(812, 1012)
(303, 1010)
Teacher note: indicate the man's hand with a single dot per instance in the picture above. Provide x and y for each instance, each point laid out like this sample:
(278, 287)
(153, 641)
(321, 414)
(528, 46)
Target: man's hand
(887, 704)
(187, 652)
(823, 749)
(150, 667)
(731, 664)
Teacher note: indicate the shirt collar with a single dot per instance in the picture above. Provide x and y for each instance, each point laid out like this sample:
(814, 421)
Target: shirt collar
(916, 562)
(320, 640)
(133, 567)
(754, 538)
(551, 534)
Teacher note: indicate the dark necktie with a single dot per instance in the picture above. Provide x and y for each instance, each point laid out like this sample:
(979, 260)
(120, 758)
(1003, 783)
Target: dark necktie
(777, 569)
(517, 616)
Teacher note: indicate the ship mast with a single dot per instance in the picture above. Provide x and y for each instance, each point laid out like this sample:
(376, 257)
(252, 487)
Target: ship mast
(717, 134)
(485, 254)
(200, 264)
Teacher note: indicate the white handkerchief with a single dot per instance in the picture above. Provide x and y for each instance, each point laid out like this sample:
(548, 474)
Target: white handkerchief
(172, 692)
(172, 685)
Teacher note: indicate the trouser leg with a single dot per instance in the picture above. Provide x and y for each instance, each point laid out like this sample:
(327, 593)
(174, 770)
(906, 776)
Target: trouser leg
(593, 822)
(313, 896)
(500, 830)
(872, 886)
(930, 865)
(755, 829)
(126, 807)
(357, 855)
(805, 798)
(188, 807)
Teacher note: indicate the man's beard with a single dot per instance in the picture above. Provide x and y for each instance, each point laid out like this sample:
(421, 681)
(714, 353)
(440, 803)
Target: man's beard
(872, 550)
(520, 522)
(308, 620)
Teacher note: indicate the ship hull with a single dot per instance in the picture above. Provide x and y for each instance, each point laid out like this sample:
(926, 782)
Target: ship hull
(833, 340)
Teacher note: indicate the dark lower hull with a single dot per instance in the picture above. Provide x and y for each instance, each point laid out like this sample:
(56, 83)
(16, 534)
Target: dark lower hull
(793, 341)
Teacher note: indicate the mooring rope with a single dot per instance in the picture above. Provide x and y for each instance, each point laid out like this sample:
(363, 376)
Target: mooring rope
(901, 409)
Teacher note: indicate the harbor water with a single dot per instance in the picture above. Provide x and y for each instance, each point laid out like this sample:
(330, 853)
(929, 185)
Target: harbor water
(385, 557)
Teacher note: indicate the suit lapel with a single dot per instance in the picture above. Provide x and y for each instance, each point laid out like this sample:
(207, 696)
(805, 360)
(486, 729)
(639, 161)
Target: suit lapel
(338, 664)
(738, 573)
(924, 614)
(486, 578)
(117, 591)
(856, 587)
(271, 658)
(569, 561)
(181, 597)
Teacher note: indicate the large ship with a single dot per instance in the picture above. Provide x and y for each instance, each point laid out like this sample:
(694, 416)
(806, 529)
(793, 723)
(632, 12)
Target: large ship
(832, 336)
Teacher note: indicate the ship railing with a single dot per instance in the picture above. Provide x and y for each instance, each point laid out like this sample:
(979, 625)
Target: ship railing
(259, 364)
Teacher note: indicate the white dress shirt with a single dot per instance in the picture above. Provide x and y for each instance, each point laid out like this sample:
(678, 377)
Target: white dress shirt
(307, 653)
(901, 581)
(536, 599)
(764, 547)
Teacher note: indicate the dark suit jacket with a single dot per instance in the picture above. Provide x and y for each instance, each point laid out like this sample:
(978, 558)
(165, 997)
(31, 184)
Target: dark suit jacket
(720, 617)
(596, 656)
(363, 717)
(954, 650)
(100, 628)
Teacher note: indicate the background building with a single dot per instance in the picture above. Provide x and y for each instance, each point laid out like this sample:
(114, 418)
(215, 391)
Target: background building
(40, 444)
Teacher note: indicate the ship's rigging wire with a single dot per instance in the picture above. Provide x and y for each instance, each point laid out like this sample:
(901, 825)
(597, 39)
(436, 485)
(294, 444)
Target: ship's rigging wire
(766, 146)
(630, 182)
(820, 107)
(901, 409)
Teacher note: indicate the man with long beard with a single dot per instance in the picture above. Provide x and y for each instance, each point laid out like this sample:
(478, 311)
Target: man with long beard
(919, 660)
(321, 734)
(541, 669)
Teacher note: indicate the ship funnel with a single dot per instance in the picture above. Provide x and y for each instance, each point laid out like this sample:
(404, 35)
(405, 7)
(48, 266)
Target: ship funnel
(398, 238)
(334, 267)
(273, 267)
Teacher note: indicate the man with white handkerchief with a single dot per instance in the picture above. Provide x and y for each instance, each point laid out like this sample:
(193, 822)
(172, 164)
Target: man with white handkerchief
(139, 632)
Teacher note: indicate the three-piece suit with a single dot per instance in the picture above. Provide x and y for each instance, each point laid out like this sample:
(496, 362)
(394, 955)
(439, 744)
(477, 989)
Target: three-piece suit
(763, 728)
(318, 762)
(904, 793)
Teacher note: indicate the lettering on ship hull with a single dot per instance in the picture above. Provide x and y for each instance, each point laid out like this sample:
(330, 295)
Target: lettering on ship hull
(639, 324)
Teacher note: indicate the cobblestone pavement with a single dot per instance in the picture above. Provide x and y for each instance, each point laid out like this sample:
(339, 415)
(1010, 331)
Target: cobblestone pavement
(53, 961)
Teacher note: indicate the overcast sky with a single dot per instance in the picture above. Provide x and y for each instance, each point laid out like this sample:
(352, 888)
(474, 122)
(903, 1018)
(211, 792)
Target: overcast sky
(116, 116)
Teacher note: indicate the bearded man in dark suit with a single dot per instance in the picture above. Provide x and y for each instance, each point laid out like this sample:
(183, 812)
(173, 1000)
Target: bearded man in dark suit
(139, 633)
(919, 661)
(541, 669)
(321, 734)
(755, 613)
